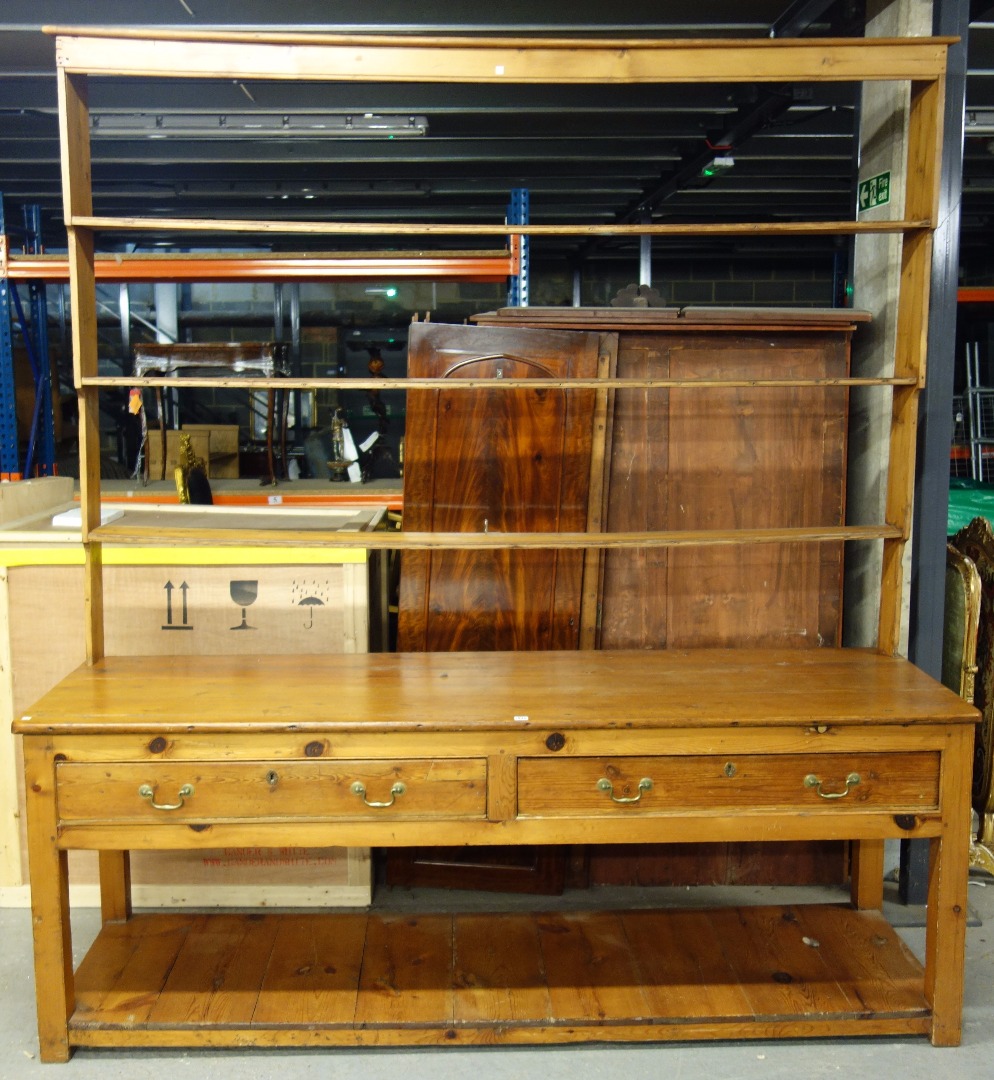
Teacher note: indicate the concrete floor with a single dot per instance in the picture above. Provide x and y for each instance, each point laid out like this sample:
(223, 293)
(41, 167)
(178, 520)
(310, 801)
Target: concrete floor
(905, 1059)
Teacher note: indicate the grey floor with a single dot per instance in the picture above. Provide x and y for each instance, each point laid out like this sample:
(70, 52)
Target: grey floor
(904, 1059)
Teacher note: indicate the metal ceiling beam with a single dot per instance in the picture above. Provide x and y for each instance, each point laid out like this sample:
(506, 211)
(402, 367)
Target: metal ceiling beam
(798, 17)
(196, 95)
(335, 151)
(750, 121)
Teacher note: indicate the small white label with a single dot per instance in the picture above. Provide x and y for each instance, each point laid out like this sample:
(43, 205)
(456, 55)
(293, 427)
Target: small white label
(522, 719)
(499, 69)
(275, 500)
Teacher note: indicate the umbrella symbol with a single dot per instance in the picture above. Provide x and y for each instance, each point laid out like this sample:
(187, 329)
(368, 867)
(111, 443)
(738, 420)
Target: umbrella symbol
(310, 602)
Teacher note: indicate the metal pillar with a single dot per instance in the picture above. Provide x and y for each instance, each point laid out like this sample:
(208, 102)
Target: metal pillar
(42, 442)
(935, 421)
(10, 466)
(645, 250)
(167, 333)
(517, 214)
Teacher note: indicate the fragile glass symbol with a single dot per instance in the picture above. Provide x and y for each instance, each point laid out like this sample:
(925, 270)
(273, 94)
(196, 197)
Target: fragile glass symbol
(243, 593)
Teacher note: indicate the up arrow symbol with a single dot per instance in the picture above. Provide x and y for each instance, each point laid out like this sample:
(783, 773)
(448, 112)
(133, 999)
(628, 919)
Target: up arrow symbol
(169, 624)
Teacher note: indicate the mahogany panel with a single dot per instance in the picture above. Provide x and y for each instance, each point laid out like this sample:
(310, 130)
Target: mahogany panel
(493, 461)
(500, 461)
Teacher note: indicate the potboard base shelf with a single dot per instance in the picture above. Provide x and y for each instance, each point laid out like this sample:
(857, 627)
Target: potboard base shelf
(169, 980)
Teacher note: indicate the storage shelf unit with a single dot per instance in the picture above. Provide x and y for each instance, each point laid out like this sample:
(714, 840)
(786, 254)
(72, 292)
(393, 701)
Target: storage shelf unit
(84, 54)
(484, 766)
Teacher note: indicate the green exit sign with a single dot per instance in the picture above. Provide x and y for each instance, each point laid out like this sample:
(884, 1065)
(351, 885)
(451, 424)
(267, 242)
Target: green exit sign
(874, 192)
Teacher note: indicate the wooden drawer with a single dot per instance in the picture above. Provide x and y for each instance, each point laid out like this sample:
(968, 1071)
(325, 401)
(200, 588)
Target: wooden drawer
(151, 791)
(810, 782)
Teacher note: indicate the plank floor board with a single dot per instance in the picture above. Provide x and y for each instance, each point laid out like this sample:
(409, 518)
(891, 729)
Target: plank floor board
(392, 979)
(500, 971)
(314, 971)
(684, 946)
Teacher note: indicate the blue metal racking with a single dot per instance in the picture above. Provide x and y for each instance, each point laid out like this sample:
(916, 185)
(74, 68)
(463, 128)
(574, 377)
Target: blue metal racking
(40, 455)
(517, 214)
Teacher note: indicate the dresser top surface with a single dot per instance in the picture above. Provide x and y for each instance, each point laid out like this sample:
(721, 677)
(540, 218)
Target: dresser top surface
(486, 691)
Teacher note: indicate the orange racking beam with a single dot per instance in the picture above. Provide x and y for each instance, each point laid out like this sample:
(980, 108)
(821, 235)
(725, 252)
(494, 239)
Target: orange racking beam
(483, 266)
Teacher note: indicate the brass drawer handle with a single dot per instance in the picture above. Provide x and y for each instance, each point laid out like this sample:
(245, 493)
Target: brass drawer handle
(146, 791)
(645, 784)
(359, 788)
(812, 781)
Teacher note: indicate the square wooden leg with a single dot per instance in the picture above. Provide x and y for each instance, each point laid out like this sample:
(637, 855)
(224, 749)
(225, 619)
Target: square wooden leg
(49, 870)
(945, 928)
(115, 886)
(867, 874)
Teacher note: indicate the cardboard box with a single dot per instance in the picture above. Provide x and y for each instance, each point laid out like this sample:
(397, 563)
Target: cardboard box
(216, 444)
(163, 601)
(222, 448)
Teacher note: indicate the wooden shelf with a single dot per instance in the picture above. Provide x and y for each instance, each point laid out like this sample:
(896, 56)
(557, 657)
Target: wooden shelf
(371, 57)
(366, 980)
(335, 228)
(491, 541)
(285, 383)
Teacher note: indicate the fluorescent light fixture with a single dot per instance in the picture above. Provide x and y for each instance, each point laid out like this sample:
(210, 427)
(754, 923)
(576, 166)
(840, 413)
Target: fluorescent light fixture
(979, 121)
(249, 125)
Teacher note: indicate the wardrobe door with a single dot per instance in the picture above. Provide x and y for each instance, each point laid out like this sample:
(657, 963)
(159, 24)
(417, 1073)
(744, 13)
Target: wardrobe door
(495, 461)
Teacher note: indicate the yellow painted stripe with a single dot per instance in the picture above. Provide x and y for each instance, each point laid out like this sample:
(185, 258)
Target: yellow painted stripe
(72, 555)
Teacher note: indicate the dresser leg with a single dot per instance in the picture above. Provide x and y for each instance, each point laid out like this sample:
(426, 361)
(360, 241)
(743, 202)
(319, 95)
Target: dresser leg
(945, 922)
(49, 869)
(115, 886)
(867, 874)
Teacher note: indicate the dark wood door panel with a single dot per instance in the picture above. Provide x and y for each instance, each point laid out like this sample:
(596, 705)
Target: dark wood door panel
(499, 461)
(495, 461)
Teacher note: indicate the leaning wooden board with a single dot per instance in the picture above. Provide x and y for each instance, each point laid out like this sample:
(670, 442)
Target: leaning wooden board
(683, 458)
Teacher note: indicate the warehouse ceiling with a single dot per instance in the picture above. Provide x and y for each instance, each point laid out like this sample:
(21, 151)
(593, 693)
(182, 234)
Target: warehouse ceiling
(588, 154)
